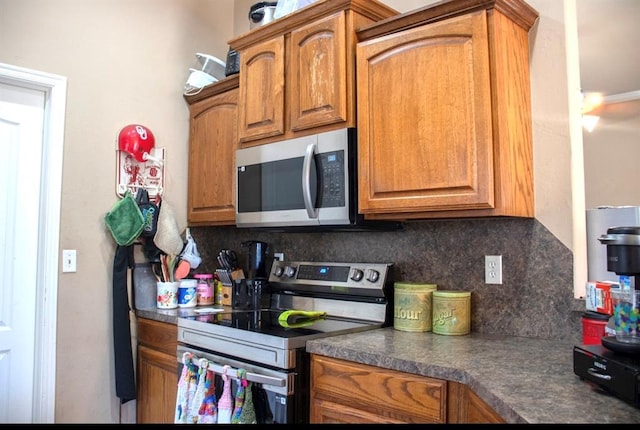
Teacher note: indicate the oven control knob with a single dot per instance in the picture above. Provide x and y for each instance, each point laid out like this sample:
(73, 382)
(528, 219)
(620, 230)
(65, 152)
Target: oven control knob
(357, 274)
(289, 272)
(278, 271)
(372, 275)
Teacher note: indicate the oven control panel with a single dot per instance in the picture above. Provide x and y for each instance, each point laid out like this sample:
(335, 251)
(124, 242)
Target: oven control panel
(335, 275)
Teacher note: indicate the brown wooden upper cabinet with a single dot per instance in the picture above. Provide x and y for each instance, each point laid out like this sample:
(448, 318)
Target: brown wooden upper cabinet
(297, 73)
(444, 112)
(212, 150)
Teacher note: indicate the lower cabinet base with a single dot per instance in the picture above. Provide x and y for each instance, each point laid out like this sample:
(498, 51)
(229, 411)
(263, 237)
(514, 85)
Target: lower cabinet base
(348, 392)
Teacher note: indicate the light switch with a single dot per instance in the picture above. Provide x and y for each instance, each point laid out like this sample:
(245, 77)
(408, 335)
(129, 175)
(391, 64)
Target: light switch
(68, 260)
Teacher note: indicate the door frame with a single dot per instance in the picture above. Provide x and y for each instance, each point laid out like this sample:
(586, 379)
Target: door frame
(55, 90)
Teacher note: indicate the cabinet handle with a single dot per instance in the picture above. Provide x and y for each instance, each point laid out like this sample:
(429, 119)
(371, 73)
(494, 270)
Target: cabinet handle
(594, 372)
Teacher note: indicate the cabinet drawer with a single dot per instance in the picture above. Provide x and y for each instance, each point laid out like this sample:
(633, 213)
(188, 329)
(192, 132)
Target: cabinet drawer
(386, 393)
(158, 335)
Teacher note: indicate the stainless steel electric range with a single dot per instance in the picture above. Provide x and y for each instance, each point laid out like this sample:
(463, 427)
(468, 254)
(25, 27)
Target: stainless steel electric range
(305, 300)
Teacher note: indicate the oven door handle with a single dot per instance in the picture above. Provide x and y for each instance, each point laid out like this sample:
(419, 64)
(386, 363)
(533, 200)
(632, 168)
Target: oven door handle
(312, 212)
(265, 380)
(234, 373)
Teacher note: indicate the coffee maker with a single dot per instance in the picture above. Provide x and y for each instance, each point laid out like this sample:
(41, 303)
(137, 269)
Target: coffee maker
(252, 293)
(614, 365)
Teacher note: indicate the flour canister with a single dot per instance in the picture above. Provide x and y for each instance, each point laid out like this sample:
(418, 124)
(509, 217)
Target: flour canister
(412, 306)
(451, 312)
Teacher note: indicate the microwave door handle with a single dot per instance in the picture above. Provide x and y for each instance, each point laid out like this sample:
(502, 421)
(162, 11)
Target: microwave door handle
(306, 181)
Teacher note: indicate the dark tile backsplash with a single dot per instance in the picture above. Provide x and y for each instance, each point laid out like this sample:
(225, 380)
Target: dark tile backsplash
(534, 300)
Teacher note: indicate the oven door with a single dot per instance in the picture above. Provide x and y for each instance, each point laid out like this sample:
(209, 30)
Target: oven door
(279, 396)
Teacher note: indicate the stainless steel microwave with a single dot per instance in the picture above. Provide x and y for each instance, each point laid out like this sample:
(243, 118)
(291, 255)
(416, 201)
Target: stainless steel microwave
(309, 181)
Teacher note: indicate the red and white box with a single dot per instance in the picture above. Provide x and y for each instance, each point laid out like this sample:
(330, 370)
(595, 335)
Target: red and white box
(598, 297)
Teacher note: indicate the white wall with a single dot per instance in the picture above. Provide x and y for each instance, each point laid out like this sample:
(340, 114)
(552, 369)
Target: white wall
(612, 156)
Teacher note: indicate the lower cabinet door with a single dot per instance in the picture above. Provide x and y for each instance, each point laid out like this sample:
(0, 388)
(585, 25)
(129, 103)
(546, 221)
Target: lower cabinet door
(157, 386)
(344, 391)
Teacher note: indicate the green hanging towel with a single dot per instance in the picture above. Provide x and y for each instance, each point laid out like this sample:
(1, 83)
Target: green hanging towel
(240, 392)
(248, 414)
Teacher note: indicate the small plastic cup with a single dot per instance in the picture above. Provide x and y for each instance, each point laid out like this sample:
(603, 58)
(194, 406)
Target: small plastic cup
(626, 315)
(167, 295)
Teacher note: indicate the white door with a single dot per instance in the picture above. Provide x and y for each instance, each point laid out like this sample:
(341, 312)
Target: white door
(21, 121)
(31, 122)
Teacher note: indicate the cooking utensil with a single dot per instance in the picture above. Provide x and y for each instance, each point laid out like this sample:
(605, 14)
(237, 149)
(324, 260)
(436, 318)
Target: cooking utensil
(157, 270)
(221, 262)
(232, 259)
(182, 270)
(165, 268)
(227, 259)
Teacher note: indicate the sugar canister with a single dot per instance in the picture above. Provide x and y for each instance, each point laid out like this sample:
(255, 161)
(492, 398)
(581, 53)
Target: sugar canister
(451, 312)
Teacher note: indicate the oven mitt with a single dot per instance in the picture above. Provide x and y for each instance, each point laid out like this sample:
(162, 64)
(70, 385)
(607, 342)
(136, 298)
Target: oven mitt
(167, 236)
(225, 405)
(124, 220)
(297, 319)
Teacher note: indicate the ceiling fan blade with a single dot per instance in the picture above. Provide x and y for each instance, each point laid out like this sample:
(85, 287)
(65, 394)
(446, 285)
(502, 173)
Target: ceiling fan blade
(621, 97)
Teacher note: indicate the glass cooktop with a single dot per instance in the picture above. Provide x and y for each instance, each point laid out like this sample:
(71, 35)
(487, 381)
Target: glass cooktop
(266, 322)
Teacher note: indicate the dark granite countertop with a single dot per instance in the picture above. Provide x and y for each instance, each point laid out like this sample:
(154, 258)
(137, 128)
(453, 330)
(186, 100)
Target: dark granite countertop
(526, 380)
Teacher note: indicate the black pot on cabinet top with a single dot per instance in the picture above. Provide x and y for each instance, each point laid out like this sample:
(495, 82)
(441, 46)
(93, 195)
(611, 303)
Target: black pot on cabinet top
(623, 249)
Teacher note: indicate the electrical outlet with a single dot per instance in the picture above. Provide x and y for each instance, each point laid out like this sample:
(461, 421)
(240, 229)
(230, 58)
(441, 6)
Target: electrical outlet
(278, 256)
(493, 269)
(68, 260)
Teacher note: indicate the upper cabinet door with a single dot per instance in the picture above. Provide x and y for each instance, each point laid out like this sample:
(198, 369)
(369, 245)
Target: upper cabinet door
(212, 150)
(317, 80)
(424, 119)
(262, 90)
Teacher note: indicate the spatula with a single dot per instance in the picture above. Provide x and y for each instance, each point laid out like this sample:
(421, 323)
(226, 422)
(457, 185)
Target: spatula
(182, 270)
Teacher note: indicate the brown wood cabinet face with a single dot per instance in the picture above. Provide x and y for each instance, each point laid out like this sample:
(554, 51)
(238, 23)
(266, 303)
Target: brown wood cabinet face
(425, 119)
(157, 372)
(262, 90)
(347, 392)
(317, 79)
(444, 120)
(343, 391)
(212, 145)
(157, 386)
(466, 407)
